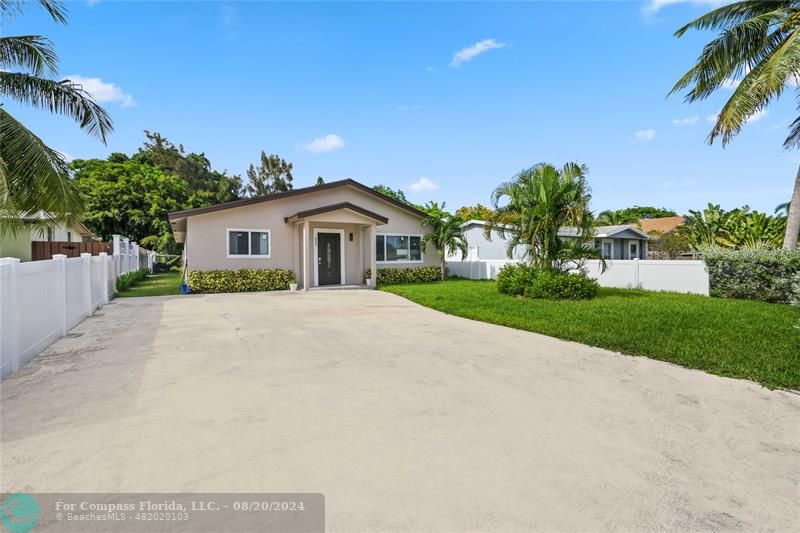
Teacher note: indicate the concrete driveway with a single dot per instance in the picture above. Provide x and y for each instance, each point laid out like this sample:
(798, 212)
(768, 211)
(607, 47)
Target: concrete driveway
(405, 418)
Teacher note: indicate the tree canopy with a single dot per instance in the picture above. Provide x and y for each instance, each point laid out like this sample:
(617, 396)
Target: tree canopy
(474, 212)
(272, 175)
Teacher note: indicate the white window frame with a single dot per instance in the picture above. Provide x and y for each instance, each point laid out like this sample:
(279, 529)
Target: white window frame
(249, 244)
(317, 231)
(630, 244)
(603, 250)
(409, 235)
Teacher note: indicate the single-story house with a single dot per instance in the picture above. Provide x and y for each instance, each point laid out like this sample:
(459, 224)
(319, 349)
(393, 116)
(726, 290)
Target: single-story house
(18, 244)
(615, 242)
(327, 234)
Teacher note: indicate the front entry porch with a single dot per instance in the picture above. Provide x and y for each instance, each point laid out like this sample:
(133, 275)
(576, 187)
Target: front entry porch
(334, 246)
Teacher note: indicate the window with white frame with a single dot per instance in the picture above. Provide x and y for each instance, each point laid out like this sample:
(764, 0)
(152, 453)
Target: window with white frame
(248, 243)
(392, 248)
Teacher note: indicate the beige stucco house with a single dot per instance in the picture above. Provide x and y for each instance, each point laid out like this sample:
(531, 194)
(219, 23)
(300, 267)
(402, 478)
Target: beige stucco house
(328, 234)
(18, 243)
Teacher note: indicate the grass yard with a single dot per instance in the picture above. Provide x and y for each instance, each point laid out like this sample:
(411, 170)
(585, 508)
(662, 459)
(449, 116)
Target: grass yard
(165, 284)
(735, 338)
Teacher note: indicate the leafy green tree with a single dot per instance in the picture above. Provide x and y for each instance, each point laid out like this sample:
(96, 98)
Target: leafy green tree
(739, 228)
(474, 212)
(758, 43)
(672, 244)
(447, 234)
(273, 175)
(531, 208)
(614, 218)
(131, 198)
(398, 194)
(208, 185)
(33, 176)
(320, 181)
(639, 212)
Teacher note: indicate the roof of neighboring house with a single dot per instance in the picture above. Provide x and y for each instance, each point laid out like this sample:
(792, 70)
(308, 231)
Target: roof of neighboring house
(572, 231)
(335, 207)
(44, 215)
(660, 225)
(179, 215)
(602, 231)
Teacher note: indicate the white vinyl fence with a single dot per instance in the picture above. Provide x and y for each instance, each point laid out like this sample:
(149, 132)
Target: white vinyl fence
(40, 301)
(651, 275)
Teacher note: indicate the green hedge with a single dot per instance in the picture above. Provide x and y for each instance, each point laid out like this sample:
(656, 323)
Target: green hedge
(244, 280)
(395, 276)
(129, 279)
(524, 280)
(765, 275)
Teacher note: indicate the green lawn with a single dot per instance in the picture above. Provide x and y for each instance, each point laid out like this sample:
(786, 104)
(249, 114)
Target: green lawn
(165, 284)
(735, 338)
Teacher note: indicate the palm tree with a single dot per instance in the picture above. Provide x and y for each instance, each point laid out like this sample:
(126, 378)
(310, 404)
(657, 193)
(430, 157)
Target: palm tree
(613, 218)
(535, 204)
(447, 234)
(34, 177)
(760, 44)
(782, 208)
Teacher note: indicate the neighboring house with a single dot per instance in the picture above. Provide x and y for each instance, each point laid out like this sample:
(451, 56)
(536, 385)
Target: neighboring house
(327, 234)
(19, 244)
(615, 242)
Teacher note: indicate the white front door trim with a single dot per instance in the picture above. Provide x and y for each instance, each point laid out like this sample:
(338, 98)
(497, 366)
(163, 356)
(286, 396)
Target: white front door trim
(316, 252)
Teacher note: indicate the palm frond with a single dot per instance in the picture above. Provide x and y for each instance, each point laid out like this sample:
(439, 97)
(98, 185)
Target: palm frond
(32, 52)
(733, 14)
(64, 97)
(55, 8)
(33, 177)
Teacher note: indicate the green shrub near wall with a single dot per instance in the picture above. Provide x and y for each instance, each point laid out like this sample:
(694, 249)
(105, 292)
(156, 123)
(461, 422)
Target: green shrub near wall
(244, 280)
(395, 276)
(129, 279)
(766, 275)
(528, 281)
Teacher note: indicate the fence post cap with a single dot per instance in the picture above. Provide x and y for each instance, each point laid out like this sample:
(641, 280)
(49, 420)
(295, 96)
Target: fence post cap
(6, 260)
(59, 257)
(103, 254)
(86, 254)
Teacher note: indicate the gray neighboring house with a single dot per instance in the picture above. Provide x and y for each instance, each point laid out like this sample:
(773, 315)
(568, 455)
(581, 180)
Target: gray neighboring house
(615, 242)
(327, 234)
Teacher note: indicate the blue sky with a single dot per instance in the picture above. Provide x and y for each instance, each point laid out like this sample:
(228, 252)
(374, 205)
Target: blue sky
(444, 100)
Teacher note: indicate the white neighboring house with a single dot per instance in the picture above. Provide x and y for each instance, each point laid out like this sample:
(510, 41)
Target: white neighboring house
(19, 244)
(615, 242)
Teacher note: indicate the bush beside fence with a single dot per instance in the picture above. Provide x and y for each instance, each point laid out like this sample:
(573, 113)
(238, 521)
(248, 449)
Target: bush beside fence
(766, 275)
(244, 280)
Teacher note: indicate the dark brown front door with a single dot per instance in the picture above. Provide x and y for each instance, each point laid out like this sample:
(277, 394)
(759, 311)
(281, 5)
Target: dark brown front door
(329, 258)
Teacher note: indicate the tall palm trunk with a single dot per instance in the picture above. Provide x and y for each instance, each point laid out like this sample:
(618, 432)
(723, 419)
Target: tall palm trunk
(793, 219)
(444, 266)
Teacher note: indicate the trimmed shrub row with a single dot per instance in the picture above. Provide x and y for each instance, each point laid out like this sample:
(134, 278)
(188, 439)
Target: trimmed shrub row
(395, 276)
(525, 280)
(244, 280)
(129, 279)
(766, 275)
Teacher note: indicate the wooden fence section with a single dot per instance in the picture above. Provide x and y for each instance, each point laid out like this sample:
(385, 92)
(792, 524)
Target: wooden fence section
(45, 250)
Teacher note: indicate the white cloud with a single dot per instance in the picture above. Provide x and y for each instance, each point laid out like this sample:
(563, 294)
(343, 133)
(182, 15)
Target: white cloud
(423, 184)
(326, 143)
(645, 135)
(470, 52)
(654, 6)
(688, 121)
(229, 14)
(102, 91)
(758, 115)
(711, 118)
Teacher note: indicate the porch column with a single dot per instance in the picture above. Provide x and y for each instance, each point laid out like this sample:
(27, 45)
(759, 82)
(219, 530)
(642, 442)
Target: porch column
(306, 262)
(373, 265)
